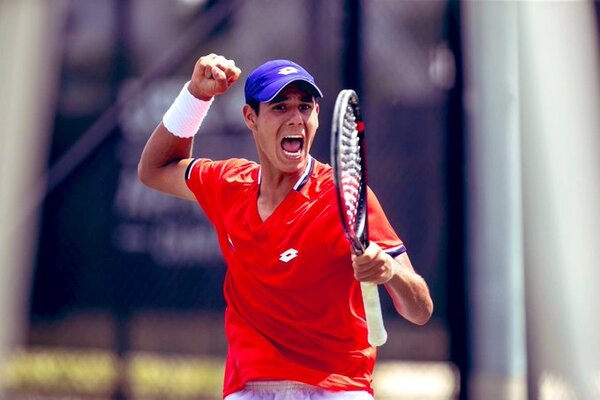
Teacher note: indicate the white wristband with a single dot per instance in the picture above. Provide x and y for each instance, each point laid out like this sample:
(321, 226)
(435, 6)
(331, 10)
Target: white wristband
(184, 117)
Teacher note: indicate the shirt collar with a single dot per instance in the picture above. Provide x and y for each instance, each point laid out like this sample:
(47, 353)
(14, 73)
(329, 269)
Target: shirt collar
(303, 180)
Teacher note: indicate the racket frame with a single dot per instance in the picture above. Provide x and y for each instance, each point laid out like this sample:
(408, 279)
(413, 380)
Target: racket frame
(358, 238)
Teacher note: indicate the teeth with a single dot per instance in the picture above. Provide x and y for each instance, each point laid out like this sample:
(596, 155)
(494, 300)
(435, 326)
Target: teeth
(294, 137)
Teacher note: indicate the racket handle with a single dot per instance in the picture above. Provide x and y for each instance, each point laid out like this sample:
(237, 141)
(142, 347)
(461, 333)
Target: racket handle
(377, 333)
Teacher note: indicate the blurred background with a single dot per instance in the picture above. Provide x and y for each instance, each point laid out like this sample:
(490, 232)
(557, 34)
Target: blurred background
(484, 150)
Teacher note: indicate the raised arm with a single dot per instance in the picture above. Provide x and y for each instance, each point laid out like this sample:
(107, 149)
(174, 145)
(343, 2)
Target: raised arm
(168, 151)
(408, 290)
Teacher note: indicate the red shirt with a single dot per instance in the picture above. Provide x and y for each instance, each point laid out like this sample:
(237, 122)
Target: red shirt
(294, 310)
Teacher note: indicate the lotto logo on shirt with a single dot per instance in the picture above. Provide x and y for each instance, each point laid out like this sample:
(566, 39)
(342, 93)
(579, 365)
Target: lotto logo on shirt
(288, 255)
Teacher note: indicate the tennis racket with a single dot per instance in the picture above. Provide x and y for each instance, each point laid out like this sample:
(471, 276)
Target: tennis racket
(349, 162)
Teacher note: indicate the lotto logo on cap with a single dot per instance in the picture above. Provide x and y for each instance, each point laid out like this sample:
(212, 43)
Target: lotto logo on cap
(266, 81)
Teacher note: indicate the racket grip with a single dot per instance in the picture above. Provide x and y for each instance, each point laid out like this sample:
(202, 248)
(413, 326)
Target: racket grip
(377, 333)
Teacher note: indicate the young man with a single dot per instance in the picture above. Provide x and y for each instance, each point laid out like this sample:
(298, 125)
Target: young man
(294, 321)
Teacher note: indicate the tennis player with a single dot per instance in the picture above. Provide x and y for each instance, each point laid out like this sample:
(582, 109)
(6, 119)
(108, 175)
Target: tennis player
(295, 321)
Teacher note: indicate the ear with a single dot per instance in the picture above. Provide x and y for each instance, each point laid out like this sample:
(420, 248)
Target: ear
(249, 117)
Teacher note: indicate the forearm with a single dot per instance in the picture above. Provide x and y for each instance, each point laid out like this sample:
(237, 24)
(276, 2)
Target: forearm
(167, 153)
(409, 292)
(169, 148)
(172, 140)
(407, 289)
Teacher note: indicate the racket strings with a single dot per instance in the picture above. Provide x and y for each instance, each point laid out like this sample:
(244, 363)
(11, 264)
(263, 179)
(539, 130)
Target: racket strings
(351, 167)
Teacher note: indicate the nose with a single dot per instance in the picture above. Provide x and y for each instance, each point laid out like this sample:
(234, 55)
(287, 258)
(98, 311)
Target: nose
(295, 117)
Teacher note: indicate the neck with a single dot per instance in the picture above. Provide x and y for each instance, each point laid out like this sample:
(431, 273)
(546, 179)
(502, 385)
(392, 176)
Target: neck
(274, 187)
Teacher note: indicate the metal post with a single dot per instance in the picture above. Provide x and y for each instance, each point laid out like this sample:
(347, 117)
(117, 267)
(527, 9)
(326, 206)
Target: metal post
(560, 124)
(352, 55)
(457, 281)
(495, 249)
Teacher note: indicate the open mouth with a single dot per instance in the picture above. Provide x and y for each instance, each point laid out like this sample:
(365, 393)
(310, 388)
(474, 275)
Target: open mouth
(292, 145)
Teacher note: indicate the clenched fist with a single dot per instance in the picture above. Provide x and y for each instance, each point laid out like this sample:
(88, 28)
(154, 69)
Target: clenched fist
(213, 74)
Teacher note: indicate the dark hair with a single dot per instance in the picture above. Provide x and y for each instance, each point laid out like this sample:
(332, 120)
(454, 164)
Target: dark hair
(254, 104)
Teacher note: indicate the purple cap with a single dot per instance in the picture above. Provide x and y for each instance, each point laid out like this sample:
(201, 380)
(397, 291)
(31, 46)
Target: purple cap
(266, 81)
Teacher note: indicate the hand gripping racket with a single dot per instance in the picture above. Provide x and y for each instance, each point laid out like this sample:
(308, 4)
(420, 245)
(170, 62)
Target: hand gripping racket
(348, 159)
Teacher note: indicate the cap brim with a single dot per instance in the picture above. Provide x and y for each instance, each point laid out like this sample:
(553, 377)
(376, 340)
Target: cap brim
(274, 88)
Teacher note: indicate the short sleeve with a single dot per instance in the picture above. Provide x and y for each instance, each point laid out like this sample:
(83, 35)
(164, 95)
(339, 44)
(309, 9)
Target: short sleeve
(205, 178)
(380, 229)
